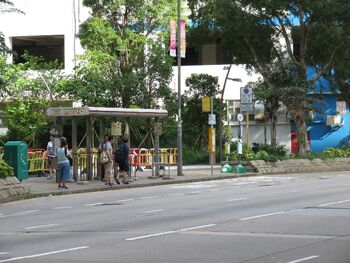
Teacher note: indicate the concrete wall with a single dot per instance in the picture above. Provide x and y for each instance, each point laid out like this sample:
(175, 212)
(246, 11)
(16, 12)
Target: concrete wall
(44, 18)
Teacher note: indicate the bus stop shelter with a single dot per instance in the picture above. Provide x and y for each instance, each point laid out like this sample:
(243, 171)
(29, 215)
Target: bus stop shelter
(90, 113)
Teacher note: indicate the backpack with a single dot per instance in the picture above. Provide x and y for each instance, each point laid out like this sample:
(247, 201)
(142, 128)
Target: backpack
(119, 156)
(104, 157)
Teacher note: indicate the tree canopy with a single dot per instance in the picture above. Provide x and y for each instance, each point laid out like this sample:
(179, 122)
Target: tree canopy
(286, 35)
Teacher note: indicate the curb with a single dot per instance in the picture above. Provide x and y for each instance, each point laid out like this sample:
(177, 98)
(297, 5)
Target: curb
(165, 182)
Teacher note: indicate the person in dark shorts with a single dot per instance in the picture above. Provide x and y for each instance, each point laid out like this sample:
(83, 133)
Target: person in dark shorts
(122, 158)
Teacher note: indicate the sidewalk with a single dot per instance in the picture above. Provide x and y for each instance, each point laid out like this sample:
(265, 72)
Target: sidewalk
(41, 186)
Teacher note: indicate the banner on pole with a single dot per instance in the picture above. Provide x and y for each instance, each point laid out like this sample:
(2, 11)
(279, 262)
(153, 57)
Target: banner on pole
(206, 104)
(173, 37)
(211, 140)
(183, 38)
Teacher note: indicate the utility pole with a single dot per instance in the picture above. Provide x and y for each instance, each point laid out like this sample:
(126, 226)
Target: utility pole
(179, 119)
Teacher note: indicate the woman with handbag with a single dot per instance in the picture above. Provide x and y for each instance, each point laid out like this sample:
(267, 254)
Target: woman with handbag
(108, 162)
(63, 164)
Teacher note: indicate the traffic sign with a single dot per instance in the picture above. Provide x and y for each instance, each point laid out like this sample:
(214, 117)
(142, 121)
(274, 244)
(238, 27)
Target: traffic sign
(240, 117)
(212, 119)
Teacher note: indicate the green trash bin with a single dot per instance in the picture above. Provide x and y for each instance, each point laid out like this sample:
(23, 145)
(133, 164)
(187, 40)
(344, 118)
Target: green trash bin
(16, 154)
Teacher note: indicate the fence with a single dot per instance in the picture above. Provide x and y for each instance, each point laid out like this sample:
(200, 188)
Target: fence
(141, 158)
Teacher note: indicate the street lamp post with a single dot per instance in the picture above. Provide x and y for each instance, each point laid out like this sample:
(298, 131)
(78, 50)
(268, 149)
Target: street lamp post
(220, 109)
(179, 120)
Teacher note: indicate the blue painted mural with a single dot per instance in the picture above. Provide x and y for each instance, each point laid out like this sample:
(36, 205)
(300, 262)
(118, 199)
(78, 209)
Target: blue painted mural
(323, 136)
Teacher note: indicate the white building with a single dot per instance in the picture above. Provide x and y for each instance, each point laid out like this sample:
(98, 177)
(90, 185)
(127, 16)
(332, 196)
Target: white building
(48, 28)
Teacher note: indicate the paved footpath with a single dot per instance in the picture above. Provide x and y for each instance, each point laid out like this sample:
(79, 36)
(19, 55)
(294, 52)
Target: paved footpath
(41, 186)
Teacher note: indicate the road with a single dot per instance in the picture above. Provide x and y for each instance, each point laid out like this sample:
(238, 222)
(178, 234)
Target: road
(289, 218)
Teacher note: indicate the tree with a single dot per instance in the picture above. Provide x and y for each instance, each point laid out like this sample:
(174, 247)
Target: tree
(6, 7)
(277, 34)
(29, 89)
(126, 63)
(195, 122)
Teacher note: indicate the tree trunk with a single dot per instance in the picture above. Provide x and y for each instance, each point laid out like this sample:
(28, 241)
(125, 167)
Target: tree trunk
(303, 143)
(274, 129)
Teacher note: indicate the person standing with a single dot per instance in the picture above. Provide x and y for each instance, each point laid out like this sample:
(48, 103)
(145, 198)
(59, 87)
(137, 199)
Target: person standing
(63, 164)
(122, 157)
(100, 150)
(50, 151)
(108, 166)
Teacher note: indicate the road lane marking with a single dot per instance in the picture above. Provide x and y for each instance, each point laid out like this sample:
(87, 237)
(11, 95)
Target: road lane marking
(3, 253)
(41, 226)
(237, 199)
(148, 197)
(44, 254)
(271, 214)
(94, 204)
(153, 211)
(126, 200)
(338, 202)
(264, 215)
(169, 232)
(62, 207)
(303, 259)
(28, 212)
(176, 194)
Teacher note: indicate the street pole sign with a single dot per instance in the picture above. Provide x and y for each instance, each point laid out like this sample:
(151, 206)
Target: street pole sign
(246, 99)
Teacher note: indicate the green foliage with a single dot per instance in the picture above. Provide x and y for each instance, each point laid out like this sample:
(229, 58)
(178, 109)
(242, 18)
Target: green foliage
(123, 65)
(336, 153)
(5, 169)
(270, 149)
(195, 122)
(194, 156)
(247, 153)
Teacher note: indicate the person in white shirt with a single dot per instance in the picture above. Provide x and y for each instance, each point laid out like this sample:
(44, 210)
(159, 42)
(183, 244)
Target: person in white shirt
(50, 151)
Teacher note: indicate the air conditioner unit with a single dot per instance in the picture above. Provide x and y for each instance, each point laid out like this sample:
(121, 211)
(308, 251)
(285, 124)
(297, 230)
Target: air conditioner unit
(334, 120)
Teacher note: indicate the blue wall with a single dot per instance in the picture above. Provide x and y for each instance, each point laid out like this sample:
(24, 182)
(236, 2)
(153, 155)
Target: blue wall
(321, 135)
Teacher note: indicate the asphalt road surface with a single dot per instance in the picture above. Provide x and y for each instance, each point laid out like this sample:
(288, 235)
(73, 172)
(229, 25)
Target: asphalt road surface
(289, 218)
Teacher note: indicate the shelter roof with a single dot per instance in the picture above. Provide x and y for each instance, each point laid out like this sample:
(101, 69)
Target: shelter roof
(105, 112)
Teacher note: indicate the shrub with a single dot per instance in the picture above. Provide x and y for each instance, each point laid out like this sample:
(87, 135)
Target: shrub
(194, 156)
(278, 150)
(5, 169)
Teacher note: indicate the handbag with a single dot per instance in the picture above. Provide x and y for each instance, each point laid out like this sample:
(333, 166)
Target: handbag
(104, 157)
(70, 159)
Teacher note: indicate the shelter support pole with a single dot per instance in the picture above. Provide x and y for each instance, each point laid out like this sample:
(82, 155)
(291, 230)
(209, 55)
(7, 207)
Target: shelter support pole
(156, 146)
(88, 148)
(102, 135)
(74, 148)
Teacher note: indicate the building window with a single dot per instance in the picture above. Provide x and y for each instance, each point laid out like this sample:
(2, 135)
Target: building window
(51, 48)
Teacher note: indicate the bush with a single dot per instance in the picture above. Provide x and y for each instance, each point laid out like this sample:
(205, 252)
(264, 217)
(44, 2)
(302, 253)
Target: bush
(277, 150)
(194, 156)
(5, 169)
(247, 153)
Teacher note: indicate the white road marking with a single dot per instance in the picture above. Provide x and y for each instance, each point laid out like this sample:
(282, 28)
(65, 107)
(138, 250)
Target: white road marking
(259, 216)
(169, 232)
(148, 197)
(153, 211)
(271, 214)
(195, 192)
(213, 190)
(237, 199)
(41, 226)
(44, 254)
(176, 194)
(28, 212)
(303, 259)
(338, 202)
(62, 207)
(3, 253)
(94, 204)
(126, 200)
